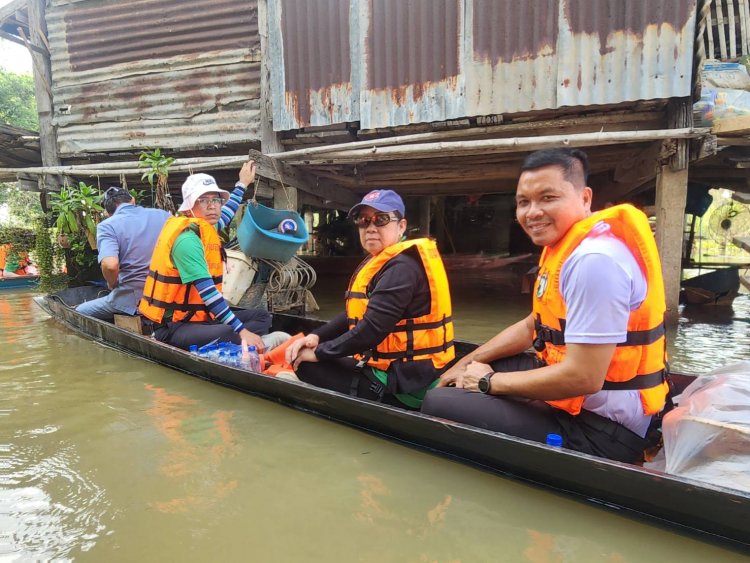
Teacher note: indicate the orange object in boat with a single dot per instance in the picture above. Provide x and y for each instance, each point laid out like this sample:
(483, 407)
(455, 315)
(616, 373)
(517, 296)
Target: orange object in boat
(275, 360)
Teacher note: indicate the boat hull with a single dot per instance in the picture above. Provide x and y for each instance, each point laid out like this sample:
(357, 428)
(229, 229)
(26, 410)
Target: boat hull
(18, 282)
(719, 287)
(717, 513)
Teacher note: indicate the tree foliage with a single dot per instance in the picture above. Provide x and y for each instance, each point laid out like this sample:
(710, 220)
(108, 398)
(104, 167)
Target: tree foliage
(17, 101)
(23, 207)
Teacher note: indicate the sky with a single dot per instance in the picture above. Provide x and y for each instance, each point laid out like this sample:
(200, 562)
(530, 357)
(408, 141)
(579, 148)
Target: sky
(14, 57)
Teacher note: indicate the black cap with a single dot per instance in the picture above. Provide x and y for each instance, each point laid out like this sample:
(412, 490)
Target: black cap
(114, 191)
(113, 196)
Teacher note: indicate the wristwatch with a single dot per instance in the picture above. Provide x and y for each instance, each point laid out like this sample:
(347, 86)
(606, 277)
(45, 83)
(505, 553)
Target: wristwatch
(484, 383)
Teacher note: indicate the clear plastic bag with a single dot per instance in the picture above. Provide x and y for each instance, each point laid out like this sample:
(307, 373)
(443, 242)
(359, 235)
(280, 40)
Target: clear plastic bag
(707, 437)
(721, 103)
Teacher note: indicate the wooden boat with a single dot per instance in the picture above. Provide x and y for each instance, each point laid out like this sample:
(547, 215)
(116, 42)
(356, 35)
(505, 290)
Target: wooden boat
(696, 508)
(18, 282)
(719, 287)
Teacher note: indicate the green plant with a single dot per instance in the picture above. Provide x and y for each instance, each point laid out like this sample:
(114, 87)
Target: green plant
(78, 211)
(20, 238)
(157, 173)
(46, 254)
(23, 207)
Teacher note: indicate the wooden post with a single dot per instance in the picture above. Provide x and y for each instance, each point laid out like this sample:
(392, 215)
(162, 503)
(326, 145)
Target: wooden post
(671, 198)
(269, 139)
(424, 216)
(43, 88)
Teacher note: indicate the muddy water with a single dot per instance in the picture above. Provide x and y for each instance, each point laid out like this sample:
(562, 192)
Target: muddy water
(106, 457)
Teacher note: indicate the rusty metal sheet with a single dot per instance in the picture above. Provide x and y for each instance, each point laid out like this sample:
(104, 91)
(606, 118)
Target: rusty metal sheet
(175, 74)
(612, 51)
(435, 60)
(312, 80)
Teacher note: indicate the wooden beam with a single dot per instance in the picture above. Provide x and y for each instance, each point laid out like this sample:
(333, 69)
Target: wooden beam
(285, 196)
(610, 121)
(497, 146)
(732, 126)
(288, 175)
(20, 41)
(42, 80)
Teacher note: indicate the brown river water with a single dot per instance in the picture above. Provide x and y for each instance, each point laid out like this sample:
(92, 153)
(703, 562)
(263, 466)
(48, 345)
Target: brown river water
(106, 457)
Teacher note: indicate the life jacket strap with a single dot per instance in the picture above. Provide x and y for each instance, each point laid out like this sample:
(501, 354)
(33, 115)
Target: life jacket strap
(644, 337)
(416, 352)
(646, 381)
(186, 307)
(176, 280)
(545, 333)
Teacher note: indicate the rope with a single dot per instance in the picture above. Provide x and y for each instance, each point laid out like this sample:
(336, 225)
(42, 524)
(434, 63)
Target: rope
(253, 199)
(286, 194)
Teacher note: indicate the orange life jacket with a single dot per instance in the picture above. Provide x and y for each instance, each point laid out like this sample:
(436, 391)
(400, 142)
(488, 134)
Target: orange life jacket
(427, 337)
(639, 363)
(164, 290)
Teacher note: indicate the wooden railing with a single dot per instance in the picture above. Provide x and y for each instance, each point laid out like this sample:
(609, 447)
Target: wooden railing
(727, 31)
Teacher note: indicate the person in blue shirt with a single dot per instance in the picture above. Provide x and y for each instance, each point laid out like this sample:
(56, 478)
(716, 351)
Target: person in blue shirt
(125, 242)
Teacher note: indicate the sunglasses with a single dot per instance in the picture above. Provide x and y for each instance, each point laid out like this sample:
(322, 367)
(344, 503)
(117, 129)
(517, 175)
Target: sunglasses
(206, 202)
(378, 219)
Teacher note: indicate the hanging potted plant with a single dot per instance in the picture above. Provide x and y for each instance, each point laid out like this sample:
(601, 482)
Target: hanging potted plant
(157, 171)
(78, 211)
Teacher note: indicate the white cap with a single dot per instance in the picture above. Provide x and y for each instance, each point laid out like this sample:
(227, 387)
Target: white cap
(195, 186)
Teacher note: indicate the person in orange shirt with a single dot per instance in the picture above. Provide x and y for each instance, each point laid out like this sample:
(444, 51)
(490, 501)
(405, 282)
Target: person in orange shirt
(13, 263)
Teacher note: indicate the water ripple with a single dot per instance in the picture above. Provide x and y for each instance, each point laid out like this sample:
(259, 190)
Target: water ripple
(48, 509)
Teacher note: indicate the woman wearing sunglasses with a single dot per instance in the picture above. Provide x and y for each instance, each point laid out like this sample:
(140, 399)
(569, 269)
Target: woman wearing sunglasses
(182, 295)
(396, 336)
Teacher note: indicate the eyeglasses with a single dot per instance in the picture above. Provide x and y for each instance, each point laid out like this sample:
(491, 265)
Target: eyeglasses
(206, 202)
(378, 219)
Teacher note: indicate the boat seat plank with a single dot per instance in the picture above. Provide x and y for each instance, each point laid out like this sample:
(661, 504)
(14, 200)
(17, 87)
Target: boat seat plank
(132, 323)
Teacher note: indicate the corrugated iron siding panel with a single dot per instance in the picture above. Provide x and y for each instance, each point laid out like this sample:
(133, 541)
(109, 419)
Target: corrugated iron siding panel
(175, 74)
(432, 60)
(613, 51)
(316, 58)
(512, 59)
(413, 62)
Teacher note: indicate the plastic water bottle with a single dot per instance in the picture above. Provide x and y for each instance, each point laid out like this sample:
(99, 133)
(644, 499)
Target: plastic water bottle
(554, 440)
(234, 358)
(287, 226)
(194, 349)
(250, 360)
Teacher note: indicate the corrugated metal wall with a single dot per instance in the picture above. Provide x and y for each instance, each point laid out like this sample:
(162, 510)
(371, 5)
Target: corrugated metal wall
(175, 74)
(434, 60)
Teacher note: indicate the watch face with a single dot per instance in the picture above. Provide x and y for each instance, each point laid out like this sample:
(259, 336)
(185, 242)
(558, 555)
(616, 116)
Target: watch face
(484, 384)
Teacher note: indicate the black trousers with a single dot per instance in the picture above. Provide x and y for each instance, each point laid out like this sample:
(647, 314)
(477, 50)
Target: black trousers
(343, 376)
(533, 419)
(184, 334)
